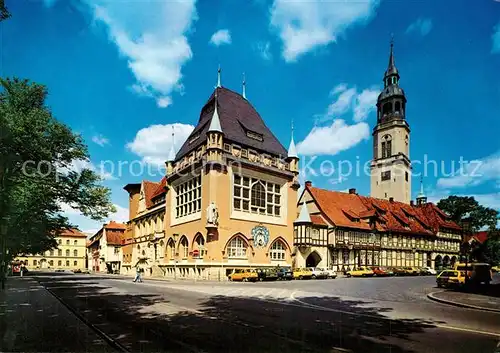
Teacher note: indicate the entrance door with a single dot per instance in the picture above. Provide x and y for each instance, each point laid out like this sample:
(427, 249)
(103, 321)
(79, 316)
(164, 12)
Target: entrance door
(313, 259)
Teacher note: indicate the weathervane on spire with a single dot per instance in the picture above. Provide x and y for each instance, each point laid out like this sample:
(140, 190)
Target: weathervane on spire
(244, 87)
(218, 77)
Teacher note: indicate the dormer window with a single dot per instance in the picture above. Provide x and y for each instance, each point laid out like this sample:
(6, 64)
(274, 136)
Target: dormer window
(194, 138)
(255, 135)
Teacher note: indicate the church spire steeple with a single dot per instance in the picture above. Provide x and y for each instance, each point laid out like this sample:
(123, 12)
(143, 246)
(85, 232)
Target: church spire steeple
(391, 76)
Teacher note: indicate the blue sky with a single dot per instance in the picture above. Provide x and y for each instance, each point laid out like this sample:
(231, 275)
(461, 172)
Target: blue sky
(121, 72)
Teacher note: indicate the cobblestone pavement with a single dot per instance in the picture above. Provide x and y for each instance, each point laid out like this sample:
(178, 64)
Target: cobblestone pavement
(298, 316)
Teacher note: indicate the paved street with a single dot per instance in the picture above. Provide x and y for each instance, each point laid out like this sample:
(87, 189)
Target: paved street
(358, 315)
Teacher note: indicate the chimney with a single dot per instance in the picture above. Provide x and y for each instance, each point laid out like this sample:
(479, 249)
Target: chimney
(391, 199)
(352, 191)
(412, 203)
(309, 183)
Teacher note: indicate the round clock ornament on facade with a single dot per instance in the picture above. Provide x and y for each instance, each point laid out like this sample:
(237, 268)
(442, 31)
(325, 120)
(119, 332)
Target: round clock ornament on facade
(260, 235)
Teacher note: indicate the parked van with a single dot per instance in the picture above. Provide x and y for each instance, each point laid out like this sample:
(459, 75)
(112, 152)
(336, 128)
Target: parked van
(477, 272)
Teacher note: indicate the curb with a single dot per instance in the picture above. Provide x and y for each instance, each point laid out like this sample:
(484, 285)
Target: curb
(432, 297)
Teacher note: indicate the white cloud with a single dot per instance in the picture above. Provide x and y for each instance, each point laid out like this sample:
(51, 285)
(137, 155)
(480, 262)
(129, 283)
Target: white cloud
(346, 99)
(151, 35)
(306, 25)
(474, 173)
(264, 50)
(100, 140)
(495, 38)
(421, 26)
(164, 102)
(153, 143)
(222, 36)
(330, 140)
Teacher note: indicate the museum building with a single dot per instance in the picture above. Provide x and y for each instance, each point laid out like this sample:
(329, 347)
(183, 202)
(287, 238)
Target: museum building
(228, 200)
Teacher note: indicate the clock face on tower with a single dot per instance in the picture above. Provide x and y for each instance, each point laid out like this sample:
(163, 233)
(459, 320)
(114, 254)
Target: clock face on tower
(260, 236)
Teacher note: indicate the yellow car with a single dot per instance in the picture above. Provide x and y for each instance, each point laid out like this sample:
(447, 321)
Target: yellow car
(495, 269)
(411, 271)
(247, 275)
(450, 278)
(360, 272)
(301, 273)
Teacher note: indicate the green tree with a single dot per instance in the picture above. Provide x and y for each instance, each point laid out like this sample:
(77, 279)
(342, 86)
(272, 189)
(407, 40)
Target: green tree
(489, 251)
(4, 13)
(37, 153)
(461, 208)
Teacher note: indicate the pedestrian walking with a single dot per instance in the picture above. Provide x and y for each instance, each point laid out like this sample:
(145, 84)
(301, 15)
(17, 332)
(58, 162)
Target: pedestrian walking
(138, 272)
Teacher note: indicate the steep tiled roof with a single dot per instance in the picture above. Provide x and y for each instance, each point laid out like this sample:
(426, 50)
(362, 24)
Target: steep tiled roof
(317, 219)
(481, 236)
(237, 117)
(114, 237)
(150, 188)
(73, 232)
(115, 225)
(161, 189)
(361, 212)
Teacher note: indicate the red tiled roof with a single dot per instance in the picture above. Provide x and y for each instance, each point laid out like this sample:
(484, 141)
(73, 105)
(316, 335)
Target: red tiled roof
(317, 219)
(355, 211)
(161, 189)
(115, 225)
(114, 237)
(481, 236)
(73, 232)
(149, 189)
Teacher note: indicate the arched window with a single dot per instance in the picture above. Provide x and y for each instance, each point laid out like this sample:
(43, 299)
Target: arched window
(278, 251)
(237, 248)
(171, 249)
(387, 108)
(67, 252)
(199, 244)
(34, 262)
(258, 199)
(75, 263)
(67, 263)
(397, 107)
(67, 242)
(51, 262)
(184, 249)
(75, 253)
(59, 252)
(75, 242)
(386, 146)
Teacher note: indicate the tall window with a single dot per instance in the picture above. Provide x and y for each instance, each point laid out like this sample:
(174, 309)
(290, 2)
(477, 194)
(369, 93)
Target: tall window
(171, 249)
(75, 263)
(200, 245)
(188, 199)
(67, 252)
(59, 252)
(59, 263)
(278, 251)
(51, 262)
(75, 253)
(237, 248)
(75, 242)
(184, 247)
(383, 150)
(67, 263)
(67, 242)
(256, 196)
(34, 262)
(59, 241)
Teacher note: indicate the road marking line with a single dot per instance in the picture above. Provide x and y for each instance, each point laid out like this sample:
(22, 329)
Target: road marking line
(486, 333)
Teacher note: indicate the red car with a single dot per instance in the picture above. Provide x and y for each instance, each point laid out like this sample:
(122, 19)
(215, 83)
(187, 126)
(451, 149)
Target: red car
(381, 271)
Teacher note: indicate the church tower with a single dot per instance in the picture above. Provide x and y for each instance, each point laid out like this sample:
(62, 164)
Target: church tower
(391, 165)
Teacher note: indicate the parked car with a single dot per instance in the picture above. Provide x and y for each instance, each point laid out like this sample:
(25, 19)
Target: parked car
(399, 271)
(382, 272)
(362, 271)
(495, 269)
(318, 273)
(450, 278)
(412, 271)
(425, 271)
(245, 275)
(302, 273)
(330, 273)
(267, 274)
(284, 273)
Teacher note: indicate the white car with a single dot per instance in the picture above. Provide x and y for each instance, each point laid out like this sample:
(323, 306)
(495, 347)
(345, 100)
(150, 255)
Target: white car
(331, 273)
(318, 272)
(429, 271)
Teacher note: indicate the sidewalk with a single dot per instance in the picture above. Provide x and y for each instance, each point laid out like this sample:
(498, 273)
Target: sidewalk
(466, 300)
(33, 320)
